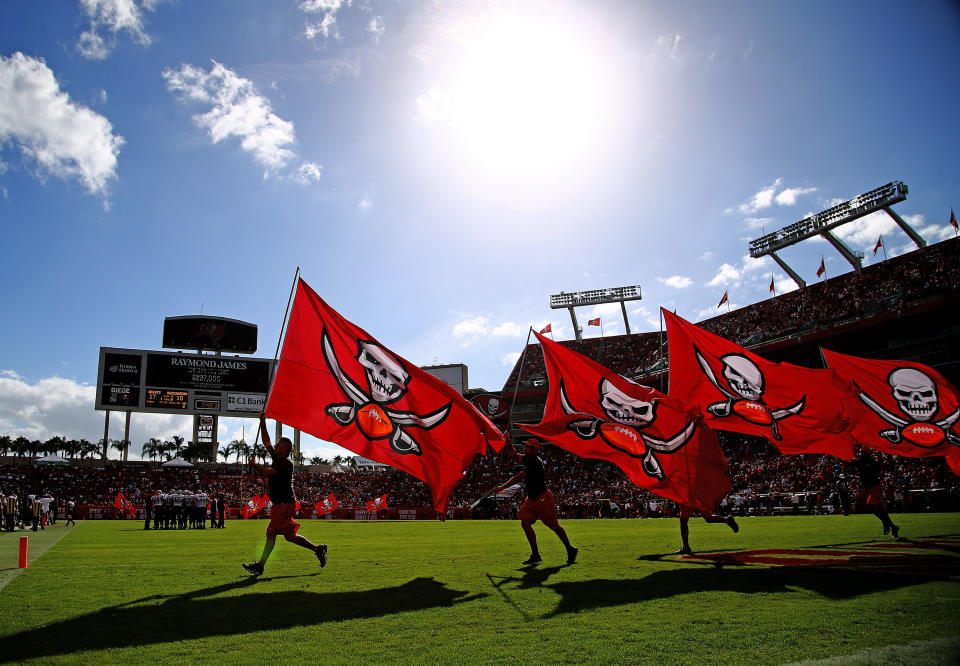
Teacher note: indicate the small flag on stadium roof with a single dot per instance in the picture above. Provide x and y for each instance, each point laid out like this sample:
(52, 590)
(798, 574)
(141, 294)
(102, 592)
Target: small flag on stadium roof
(547, 329)
(953, 220)
(594, 322)
(722, 300)
(822, 269)
(878, 245)
(772, 289)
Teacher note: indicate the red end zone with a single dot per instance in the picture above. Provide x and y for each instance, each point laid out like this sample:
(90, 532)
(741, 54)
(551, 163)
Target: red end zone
(905, 557)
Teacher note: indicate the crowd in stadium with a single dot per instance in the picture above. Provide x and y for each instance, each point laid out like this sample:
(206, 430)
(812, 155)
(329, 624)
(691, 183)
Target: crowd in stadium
(764, 482)
(929, 272)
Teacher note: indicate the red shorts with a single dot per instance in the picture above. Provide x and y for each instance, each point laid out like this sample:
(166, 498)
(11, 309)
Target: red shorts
(874, 495)
(281, 520)
(543, 508)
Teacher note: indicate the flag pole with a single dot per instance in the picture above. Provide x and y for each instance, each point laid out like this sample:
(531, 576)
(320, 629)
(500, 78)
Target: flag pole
(660, 350)
(516, 390)
(276, 353)
(884, 246)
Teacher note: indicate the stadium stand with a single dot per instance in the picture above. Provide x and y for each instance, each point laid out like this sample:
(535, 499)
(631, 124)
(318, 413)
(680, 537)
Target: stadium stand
(901, 308)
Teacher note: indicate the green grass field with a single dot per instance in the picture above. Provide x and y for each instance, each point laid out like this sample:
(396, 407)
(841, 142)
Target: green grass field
(427, 592)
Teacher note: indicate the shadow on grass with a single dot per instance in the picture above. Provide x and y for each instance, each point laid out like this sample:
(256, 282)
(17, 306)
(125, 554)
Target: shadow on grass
(830, 583)
(160, 618)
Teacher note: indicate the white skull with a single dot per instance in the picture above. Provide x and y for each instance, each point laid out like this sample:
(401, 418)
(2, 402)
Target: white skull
(623, 409)
(915, 392)
(743, 375)
(386, 377)
(493, 406)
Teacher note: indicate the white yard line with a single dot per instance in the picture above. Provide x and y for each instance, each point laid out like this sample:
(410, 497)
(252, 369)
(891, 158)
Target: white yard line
(33, 552)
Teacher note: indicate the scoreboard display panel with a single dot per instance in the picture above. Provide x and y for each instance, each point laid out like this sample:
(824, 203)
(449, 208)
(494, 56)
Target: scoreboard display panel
(139, 380)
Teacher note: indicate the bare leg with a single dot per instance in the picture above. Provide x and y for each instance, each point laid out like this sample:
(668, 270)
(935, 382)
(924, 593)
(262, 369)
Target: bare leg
(268, 548)
(527, 526)
(684, 534)
(560, 532)
(302, 541)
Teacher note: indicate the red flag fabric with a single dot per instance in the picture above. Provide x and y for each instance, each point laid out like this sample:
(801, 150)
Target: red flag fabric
(547, 329)
(903, 407)
(594, 322)
(822, 269)
(336, 382)
(124, 504)
(255, 505)
(377, 503)
(953, 220)
(878, 245)
(297, 506)
(722, 300)
(771, 285)
(595, 413)
(327, 505)
(798, 409)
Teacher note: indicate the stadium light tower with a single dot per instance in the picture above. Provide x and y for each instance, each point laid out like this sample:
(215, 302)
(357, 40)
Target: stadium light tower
(595, 297)
(880, 198)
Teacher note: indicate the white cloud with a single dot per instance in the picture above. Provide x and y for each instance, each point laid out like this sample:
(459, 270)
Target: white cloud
(510, 359)
(432, 106)
(239, 111)
(471, 330)
(726, 274)
(62, 138)
(705, 256)
(865, 231)
(934, 232)
(364, 203)
(327, 26)
(788, 197)
(377, 26)
(758, 222)
(510, 329)
(114, 16)
(56, 406)
(670, 45)
(322, 5)
(762, 199)
(748, 50)
(676, 281)
(309, 172)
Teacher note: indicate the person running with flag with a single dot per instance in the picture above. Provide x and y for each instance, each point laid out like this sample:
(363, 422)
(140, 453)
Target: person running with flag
(539, 503)
(869, 469)
(279, 476)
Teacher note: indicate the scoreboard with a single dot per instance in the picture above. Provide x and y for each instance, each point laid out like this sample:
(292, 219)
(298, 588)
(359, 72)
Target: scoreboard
(181, 383)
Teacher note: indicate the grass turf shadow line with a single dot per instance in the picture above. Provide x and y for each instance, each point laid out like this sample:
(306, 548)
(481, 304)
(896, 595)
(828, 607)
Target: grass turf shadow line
(129, 625)
(830, 583)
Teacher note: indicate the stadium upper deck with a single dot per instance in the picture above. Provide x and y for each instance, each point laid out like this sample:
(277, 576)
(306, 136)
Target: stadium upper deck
(900, 308)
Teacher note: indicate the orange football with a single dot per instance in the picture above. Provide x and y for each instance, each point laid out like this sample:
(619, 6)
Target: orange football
(923, 434)
(373, 421)
(622, 437)
(754, 412)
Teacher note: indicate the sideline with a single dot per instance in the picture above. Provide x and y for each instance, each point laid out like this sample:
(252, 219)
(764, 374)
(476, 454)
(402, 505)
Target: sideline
(35, 549)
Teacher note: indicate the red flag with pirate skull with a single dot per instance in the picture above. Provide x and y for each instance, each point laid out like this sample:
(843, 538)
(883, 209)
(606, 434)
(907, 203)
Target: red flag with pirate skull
(595, 413)
(904, 408)
(799, 410)
(326, 505)
(336, 382)
(377, 503)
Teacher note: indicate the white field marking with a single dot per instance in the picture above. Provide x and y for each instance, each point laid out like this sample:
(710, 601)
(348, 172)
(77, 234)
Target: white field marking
(33, 551)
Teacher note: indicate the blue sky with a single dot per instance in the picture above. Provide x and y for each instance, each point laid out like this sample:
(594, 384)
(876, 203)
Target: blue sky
(436, 169)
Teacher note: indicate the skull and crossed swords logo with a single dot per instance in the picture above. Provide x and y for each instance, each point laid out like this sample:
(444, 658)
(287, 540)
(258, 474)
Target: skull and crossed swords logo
(916, 396)
(745, 393)
(629, 416)
(387, 381)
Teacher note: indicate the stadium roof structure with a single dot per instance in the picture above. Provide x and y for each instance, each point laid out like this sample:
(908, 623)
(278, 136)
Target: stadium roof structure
(821, 224)
(573, 299)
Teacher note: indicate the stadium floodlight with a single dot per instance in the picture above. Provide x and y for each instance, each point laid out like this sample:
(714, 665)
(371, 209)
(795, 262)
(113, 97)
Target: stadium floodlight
(880, 198)
(574, 299)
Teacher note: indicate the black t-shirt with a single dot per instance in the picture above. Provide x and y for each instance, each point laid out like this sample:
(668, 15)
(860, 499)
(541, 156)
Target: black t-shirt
(280, 485)
(535, 478)
(869, 471)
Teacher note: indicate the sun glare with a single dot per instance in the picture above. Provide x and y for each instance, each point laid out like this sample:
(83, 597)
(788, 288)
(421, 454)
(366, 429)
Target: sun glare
(522, 97)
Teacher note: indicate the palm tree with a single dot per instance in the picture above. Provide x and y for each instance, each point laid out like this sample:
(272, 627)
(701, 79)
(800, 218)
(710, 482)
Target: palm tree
(20, 446)
(151, 448)
(54, 445)
(240, 448)
(298, 458)
(5, 443)
(260, 451)
(71, 448)
(226, 451)
(118, 445)
(338, 460)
